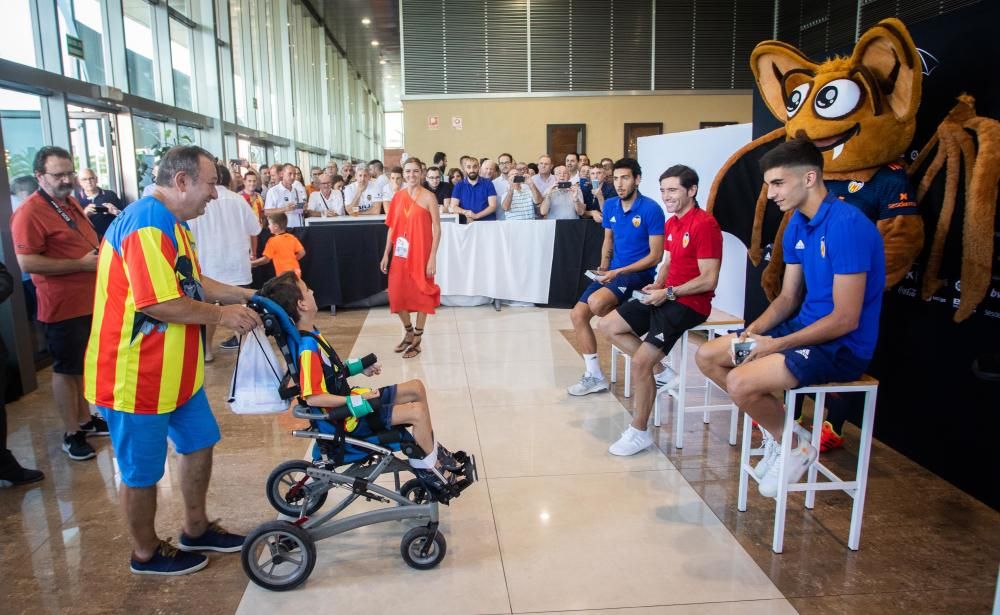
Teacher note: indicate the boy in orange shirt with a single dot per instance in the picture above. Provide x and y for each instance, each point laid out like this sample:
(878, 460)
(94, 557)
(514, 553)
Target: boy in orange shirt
(282, 248)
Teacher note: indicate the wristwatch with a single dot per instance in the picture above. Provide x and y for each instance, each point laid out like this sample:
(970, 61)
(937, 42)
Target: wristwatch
(670, 293)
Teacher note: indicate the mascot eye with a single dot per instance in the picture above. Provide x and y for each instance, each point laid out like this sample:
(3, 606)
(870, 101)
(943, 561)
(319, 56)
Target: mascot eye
(837, 98)
(795, 99)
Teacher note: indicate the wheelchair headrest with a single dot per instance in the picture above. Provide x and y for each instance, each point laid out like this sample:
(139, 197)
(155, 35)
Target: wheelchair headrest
(278, 325)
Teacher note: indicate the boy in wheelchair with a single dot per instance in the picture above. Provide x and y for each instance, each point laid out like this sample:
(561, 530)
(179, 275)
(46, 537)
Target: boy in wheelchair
(323, 384)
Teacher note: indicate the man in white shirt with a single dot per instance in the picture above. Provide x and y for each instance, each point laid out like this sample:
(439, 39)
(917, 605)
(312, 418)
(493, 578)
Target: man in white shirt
(364, 196)
(544, 179)
(287, 197)
(391, 187)
(326, 201)
(376, 174)
(573, 166)
(223, 236)
(564, 200)
(491, 171)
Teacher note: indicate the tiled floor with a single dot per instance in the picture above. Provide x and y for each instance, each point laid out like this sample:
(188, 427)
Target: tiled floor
(554, 525)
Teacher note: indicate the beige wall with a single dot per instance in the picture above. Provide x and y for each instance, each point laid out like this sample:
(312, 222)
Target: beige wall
(517, 125)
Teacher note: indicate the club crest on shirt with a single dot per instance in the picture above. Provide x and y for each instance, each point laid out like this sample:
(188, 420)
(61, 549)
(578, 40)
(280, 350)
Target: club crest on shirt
(822, 246)
(855, 186)
(686, 240)
(636, 221)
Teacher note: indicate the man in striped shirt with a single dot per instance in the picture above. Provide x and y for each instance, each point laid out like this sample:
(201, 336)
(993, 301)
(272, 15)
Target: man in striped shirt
(144, 367)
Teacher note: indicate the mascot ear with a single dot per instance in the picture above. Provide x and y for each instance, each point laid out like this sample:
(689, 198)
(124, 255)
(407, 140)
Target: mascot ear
(887, 51)
(771, 62)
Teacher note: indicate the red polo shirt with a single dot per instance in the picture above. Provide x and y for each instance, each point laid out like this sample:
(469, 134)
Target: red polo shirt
(693, 236)
(38, 229)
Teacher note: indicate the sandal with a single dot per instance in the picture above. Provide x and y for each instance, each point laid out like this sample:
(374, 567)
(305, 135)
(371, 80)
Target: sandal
(414, 348)
(407, 340)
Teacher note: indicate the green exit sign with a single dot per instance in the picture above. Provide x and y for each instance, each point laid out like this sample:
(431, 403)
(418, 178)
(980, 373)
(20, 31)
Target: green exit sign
(74, 46)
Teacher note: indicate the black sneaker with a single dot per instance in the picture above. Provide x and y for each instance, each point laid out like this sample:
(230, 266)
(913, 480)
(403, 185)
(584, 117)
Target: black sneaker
(96, 426)
(77, 447)
(12, 472)
(215, 538)
(232, 343)
(169, 561)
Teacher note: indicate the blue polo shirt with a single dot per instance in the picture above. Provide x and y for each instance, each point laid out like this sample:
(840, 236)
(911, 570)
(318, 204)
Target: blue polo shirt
(588, 193)
(839, 239)
(632, 228)
(886, 195)
(475, 197)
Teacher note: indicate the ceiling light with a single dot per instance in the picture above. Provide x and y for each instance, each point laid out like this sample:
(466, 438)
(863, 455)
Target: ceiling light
(374, 43)
(382, 61)
(366, 21)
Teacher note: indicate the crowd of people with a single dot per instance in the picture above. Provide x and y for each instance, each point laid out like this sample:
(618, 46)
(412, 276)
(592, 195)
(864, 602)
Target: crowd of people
(122, 288)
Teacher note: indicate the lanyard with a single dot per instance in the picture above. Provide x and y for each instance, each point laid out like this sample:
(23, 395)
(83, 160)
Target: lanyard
(70, 222)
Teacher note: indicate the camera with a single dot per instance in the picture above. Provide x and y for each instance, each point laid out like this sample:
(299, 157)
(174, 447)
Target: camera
(519, 179)
(564, 185)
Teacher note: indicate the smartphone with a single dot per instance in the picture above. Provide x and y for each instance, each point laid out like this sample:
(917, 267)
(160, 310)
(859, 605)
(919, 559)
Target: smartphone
(564, 185)
(638, 295)
(595, 184)
(741, 350)
(593, 275)
(519, 179)
(101, 209)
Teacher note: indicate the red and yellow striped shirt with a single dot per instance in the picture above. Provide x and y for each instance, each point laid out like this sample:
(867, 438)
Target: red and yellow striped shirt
(135, 363)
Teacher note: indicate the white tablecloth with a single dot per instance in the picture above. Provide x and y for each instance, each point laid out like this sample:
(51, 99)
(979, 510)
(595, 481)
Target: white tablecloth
(503, 260)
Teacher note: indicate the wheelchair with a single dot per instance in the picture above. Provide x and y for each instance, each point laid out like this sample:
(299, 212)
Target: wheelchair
(280, 555)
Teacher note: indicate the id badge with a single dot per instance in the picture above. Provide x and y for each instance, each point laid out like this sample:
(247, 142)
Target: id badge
(402, 247)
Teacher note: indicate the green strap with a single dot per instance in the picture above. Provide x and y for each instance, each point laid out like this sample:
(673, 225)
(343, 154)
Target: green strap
(358, 406)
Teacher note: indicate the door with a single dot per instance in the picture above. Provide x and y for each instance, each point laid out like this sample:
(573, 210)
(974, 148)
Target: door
(634, 131)
(92, 143)
(562, 139)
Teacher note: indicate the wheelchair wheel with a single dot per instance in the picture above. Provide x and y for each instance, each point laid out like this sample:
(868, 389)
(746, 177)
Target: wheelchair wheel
(287, 487)
(278, 555)
(414, 491)
(413, 543)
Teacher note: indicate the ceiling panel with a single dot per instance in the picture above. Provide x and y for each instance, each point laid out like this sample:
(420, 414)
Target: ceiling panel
(343, 21)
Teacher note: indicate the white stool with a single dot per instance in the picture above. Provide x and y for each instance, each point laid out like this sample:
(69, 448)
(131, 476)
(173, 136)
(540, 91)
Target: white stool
(854, 488)
(615, 352)
(718, 322)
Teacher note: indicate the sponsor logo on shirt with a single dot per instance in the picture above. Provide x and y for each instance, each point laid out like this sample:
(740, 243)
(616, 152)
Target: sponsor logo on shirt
(804, 352)
(636, 221)
(855, 186)
(800, 245)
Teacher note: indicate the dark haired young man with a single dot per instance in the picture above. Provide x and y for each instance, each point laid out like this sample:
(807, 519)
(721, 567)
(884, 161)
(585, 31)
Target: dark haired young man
(633, 246)
(679, 298)
(824, 325)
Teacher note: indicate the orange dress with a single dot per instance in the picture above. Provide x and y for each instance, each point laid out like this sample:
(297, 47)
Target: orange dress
(409, 287)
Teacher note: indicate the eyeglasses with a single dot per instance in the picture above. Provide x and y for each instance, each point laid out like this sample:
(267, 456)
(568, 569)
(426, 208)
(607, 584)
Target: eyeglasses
(325, 184)
(66, 175)
(88, 179)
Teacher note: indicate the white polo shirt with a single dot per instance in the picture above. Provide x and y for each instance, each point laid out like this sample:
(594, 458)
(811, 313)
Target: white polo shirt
(222, 236)
(373, 192)
(279, 196)
(333, 205)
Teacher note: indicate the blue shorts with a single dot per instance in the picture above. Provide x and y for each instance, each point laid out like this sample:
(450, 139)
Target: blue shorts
(387, 399)
(622, 286)
(140, 440)
(821, 363)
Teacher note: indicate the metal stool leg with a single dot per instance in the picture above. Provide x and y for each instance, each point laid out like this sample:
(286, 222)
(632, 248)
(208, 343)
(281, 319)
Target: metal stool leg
(864, 456)
(741, 498)
(781, 500)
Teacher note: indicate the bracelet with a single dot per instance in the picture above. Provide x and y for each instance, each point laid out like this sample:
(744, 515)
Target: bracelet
(218, 321)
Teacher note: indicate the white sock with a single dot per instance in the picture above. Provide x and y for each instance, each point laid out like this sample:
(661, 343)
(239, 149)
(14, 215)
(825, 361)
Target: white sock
(593, 366)
(428, 462)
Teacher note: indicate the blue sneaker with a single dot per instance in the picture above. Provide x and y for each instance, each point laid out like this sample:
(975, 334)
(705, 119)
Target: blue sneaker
(168, 561)
(214, 539)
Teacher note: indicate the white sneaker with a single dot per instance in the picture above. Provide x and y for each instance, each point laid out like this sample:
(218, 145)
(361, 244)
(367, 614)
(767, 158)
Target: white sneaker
(631, 442)
(587, 385)
(801, 457)
(667, 378)
(771, 449)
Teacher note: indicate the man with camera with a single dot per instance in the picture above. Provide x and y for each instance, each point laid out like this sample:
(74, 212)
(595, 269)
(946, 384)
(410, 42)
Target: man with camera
(100, 205)
(519, 201)
(563, 201)
(287, 197)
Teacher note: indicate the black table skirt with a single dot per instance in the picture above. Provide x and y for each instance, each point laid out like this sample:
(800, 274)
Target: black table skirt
(342, 261)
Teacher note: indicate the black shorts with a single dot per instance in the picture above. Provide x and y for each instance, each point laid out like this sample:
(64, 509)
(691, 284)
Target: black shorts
(663, 325)
(67, 343)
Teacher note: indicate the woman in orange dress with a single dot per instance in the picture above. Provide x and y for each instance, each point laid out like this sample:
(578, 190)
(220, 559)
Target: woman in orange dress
(411, 255)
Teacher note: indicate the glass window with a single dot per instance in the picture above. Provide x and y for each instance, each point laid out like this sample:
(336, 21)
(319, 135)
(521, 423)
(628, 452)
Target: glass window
(394, 129)
(151, 140)
(139, 49)
(181, 66)
(188, 135)
(239, 69)
(21, 122)
(84, 23)
(181, 6)
(18, 43)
